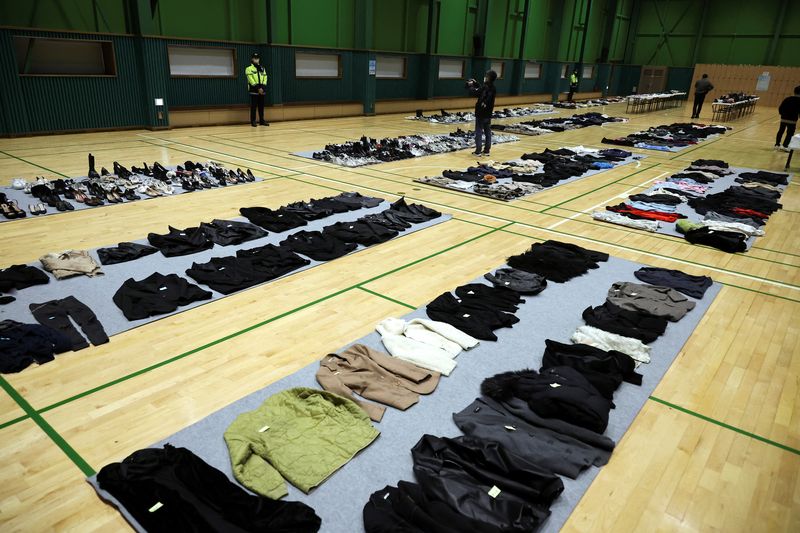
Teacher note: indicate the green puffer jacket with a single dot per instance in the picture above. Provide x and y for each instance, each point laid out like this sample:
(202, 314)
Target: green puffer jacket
(301, 434)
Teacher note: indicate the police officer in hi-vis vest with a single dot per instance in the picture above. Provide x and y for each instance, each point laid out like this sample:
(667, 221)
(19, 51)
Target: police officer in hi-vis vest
(256, 86)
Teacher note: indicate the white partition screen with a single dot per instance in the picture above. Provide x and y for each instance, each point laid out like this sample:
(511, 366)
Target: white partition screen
(201, 62)
(307, 65)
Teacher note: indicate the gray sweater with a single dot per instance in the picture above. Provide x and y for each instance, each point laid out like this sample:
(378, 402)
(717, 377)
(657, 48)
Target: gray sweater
(702, 86)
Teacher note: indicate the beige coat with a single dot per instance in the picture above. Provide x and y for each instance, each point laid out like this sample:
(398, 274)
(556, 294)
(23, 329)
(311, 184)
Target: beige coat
(376, 376)
(70, 263)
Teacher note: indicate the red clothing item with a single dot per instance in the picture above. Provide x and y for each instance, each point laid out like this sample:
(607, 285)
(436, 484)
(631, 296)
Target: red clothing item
(632, 212)
(749, 212)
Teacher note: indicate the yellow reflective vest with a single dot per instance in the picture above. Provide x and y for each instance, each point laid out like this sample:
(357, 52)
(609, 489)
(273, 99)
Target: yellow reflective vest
(256, 78)
(573, 79)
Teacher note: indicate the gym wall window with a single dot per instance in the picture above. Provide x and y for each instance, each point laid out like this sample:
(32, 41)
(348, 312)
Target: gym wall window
(38, 56)
(533, 71)
(565, 72)
(201, 62)
(500, 68)
(588, 72)
(390, 67)
(451, 69)
(313, 65)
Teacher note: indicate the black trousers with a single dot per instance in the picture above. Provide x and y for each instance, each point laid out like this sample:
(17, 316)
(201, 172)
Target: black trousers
(483, 129)
(698, 104)
(55, 314)
(572, 89)
(789, 129)
(256, 100)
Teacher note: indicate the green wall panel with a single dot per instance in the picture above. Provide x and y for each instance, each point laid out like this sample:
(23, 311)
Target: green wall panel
(786, 54)
(107, 16)
(328, 23)
(456, 27)
(539, 23)
(408, 88)
(390, 25)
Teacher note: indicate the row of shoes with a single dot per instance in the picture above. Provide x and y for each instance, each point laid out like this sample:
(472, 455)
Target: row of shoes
(121, 185)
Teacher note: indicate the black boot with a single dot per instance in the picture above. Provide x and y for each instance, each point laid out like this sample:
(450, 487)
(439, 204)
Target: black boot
(92, 172)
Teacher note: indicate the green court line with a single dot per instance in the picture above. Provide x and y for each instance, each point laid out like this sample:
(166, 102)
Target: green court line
(14, 421)
(257, 325)
(57, 439)
(34, 164)
(598, 188)
(727, 426)
(398, 302)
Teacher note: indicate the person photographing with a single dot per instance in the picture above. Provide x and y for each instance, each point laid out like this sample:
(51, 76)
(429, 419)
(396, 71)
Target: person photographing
(484, 107)
(789, 111)
(257, 87)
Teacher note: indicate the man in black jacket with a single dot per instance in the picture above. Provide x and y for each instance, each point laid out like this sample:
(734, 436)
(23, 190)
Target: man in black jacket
(789, 110)
(484, 108)
(701, 88)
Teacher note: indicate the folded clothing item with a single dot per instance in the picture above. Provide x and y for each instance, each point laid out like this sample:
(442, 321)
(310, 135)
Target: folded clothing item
(632, 212)
(21, 345)
(622, 220)
(517, 280)
(18, 277)
(317, 245)
(178, 242)
(124, 252)
(635, 324)
(70, 263)
(694, 286)
(557, 261)
(727, 241)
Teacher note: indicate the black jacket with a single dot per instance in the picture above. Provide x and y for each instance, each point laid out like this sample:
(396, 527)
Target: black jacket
(228, 232)
(272, 261)
(317, 245)
(470, 316)
(407, 509)
(517, 280)
(24, 344)
(557, 261)
(360, 232)
(557, 392)
(694, 286)
(124, 252)
(21, 277)
(790, 108)
(195, 496)
(484, 106)
(276, 220)
(446, 472)
(156, 294)
(181, 241)
(558, 450)
(613, 319)
(226, 274)
(605, 370)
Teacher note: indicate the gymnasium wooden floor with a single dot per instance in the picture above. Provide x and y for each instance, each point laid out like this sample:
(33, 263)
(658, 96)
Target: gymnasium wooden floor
(716, 449)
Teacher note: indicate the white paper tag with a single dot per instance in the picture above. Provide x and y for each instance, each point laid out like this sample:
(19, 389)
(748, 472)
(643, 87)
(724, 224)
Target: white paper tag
(507, 283)
(471, 292)
(555, 385)
(494, 492)
(465, 316)
(350, 227)
(222, 268)
(386, 496)
(262, 430)
(279, 216)
(156, 507)
(181, 233)
(162, 288)
(510, 428)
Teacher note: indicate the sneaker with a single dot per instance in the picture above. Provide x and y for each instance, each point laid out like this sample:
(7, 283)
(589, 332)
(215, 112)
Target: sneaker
(785, 149)
(777, 147)
(254, 124)
(19, 183)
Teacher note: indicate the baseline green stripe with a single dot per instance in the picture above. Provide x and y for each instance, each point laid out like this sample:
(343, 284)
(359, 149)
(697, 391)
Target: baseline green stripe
(398, 302)
(59, 441)
(727, 426)
(34, 164)
(255, 326)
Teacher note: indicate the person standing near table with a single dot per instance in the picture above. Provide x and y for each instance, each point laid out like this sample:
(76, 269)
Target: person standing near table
(257, 87)
(701, 88)
(484, 108)
(573, 85)
(789, 110)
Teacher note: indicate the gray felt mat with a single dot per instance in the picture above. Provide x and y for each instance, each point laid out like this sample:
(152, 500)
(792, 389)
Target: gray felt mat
(24, 199)
(97, 292)
(553, 314)
(718, 185)
(509, 181)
